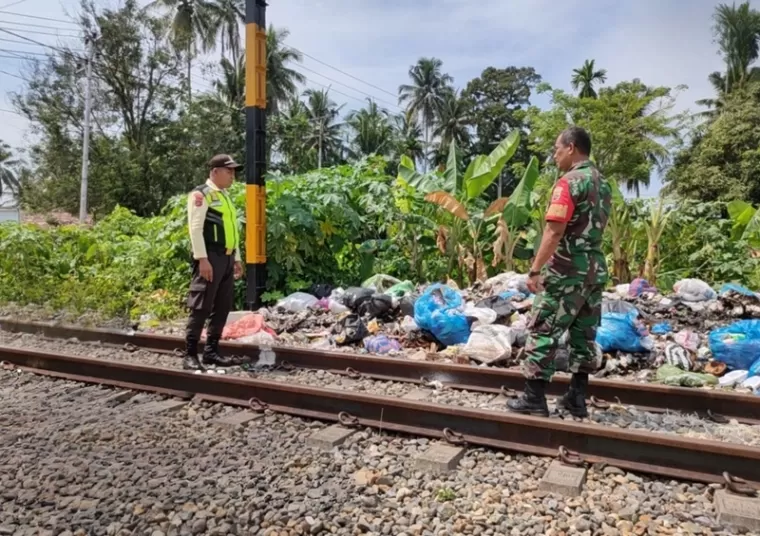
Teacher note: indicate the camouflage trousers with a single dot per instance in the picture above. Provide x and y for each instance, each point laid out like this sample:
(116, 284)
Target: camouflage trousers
(560, 308)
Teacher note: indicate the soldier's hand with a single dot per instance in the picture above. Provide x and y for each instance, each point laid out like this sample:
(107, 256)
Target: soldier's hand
(238, 269)
(204, 267)
(535, 284)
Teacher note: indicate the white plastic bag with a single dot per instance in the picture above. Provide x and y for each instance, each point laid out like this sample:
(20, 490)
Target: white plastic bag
(489, 343)
(295, 303)
(484, 316)
(694, 290)
(409, 325)
(262, 338)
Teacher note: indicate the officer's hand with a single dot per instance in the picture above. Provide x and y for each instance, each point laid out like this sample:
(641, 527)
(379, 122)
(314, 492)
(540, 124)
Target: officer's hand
(238, 269)
(535, 284)
(205, 269)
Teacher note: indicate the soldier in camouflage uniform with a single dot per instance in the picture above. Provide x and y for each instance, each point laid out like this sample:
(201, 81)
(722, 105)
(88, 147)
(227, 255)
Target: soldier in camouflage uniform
(575, 276)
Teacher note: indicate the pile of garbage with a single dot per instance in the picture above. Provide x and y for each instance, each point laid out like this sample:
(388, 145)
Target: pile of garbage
(692, 337)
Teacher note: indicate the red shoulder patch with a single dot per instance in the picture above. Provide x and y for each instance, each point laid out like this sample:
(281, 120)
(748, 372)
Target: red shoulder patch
(198, 199)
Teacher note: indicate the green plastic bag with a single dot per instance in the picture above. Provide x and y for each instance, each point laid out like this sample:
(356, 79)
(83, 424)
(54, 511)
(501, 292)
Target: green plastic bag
(401, 289)
(672, 375)
(381, 282)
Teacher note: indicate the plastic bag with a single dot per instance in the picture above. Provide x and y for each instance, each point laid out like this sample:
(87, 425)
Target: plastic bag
(349, 329)
(694, 290)
(640, 286)
(662, 328)
(617, 306)
(380, 282)
(409, 325)
(737, 345)
(688, 339)
(336, 307)
(381, 344)
(401, 289)
(670, 375)
(247, 325)
(406, 305)
(729, 288)
(261, 338)
(321, 290)
(490, 343)
(508, 281)
(376, 306)
(623, 332)
(501, 306)
(440, 311)
(482, 316)
(295, 303)
(354, 296)
(754, 369)
(677, 356)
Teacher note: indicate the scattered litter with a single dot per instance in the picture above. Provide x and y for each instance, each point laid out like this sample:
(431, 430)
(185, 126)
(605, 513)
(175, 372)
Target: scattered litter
(734, 377)
(694, 290)
(663, 328)
(490, 344)
(737, 345)
(670, 375)
(295, 303)
(381, 344)
(623, 331)
(440, 311)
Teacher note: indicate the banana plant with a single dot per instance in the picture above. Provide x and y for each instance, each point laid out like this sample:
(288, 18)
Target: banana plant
(746, 223)
(654, 226)
(620, 227)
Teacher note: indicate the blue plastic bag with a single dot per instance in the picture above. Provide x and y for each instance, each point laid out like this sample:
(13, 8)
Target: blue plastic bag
(739, 289)
(622, 332)
(661, 328)
(754, 370)
(440, 311)
(737, 345)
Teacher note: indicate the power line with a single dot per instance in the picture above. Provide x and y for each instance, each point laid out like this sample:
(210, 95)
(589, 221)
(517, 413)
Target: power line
(37, 32)
(46, 27)
(14, 75)
(351, 88)
(18, 58)
(17, 2)
(23, 52)
(11, 112)
(38, 17)
(23, 43)
(345, 73)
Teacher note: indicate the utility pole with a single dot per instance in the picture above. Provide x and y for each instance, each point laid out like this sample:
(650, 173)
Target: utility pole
(319, 155)
(255, 151)
(90, 41)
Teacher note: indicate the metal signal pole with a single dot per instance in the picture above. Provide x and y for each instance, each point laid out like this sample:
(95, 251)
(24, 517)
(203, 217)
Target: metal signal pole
(255, 151)
(86, 141)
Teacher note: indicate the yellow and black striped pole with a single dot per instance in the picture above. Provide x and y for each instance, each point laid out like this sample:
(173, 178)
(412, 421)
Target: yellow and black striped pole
(255, 151)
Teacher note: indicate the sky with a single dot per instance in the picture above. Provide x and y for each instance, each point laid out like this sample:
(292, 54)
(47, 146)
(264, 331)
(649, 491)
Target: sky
(374, 42)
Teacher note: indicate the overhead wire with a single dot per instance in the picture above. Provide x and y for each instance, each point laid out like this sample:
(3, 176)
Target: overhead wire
(43, 26)
(38, 17)
(349, 87)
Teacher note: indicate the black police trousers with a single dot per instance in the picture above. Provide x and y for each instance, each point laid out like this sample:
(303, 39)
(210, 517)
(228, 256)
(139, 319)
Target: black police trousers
(210, 300)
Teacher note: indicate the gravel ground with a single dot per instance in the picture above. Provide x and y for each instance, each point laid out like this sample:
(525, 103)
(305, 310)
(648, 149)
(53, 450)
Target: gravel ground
(87, 467)
(616, 416)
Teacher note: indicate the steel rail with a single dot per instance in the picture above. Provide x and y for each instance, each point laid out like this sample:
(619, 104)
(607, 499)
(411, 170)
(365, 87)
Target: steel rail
(715, 404)
(660, 454)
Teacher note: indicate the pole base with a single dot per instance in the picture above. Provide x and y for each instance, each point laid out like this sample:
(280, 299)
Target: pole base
(255, 277)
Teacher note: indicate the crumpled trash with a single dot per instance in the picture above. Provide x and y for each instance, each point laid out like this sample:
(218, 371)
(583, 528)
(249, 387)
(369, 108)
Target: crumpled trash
(640, 286)
(353, 297)
(512, 295)
(617, 306)
(677, 356)
(729, 288)
(688, 339)
(380, 283)
(408, 325)
(349, 329)
(716, 368)
(401, 289)
(381, 344)
(247, 325)
(506, 282)
(663, 328)
(500, 305)
(321, 290)
(623, 290)
(671, 375)
(623, 332)
(694, 290)
(375, 306)
(754, 369)
(261, 338)
(733, 378)
(737, 345)
(297, 302)
(481, 315)
(490, 344)
(440, 311)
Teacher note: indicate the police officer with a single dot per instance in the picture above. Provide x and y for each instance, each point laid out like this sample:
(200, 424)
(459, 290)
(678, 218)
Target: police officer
(214, 235)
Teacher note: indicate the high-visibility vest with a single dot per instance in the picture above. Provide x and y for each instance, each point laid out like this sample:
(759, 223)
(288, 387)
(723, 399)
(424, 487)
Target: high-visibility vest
(220, 230)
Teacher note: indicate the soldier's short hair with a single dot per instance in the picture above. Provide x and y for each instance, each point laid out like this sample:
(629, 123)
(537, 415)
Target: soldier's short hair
(578, 137)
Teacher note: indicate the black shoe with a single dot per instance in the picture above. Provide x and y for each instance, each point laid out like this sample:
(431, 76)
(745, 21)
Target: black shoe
(211, 355)
(575, 399)
(532, 401)
(191, 362)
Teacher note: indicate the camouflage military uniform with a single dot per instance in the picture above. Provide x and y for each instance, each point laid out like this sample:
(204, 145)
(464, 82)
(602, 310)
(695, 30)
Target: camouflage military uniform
(575, 275)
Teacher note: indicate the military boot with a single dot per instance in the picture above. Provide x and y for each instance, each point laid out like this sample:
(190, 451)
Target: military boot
(190, 360)
(532, 401)
(211, 355)
(574, 400)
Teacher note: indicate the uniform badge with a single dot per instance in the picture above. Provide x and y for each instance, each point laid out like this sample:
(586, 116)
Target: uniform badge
(198, 199)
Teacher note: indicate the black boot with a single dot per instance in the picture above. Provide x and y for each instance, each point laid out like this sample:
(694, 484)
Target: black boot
(190, 360)
(575, 399)
(533, 400)
(211, 354)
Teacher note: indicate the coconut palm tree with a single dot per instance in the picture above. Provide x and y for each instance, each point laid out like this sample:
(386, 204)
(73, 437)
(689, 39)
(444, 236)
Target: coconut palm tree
(282, 81)
(425, 95)
(373, 132)
(8, 177)
(227, 15)
(230, 89)
(737, 31)
(408, 136)
(586, 77)
(192, 28)
(452, 123)
(325, 135)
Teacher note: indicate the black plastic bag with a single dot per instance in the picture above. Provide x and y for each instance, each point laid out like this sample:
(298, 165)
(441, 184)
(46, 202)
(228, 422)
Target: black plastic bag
(355, 296)
(376, 306)
(321, 290)
(501, 306)
(349, 329)
(406, 305)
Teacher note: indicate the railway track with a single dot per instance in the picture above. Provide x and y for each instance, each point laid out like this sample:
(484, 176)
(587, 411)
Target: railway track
(716, 405)
(660, 454)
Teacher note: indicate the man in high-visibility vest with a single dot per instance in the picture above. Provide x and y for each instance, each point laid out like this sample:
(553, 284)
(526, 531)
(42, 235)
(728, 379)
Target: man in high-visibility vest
(214, 235)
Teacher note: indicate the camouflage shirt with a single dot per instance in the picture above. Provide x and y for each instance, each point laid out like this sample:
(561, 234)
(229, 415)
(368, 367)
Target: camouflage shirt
(582, 199)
